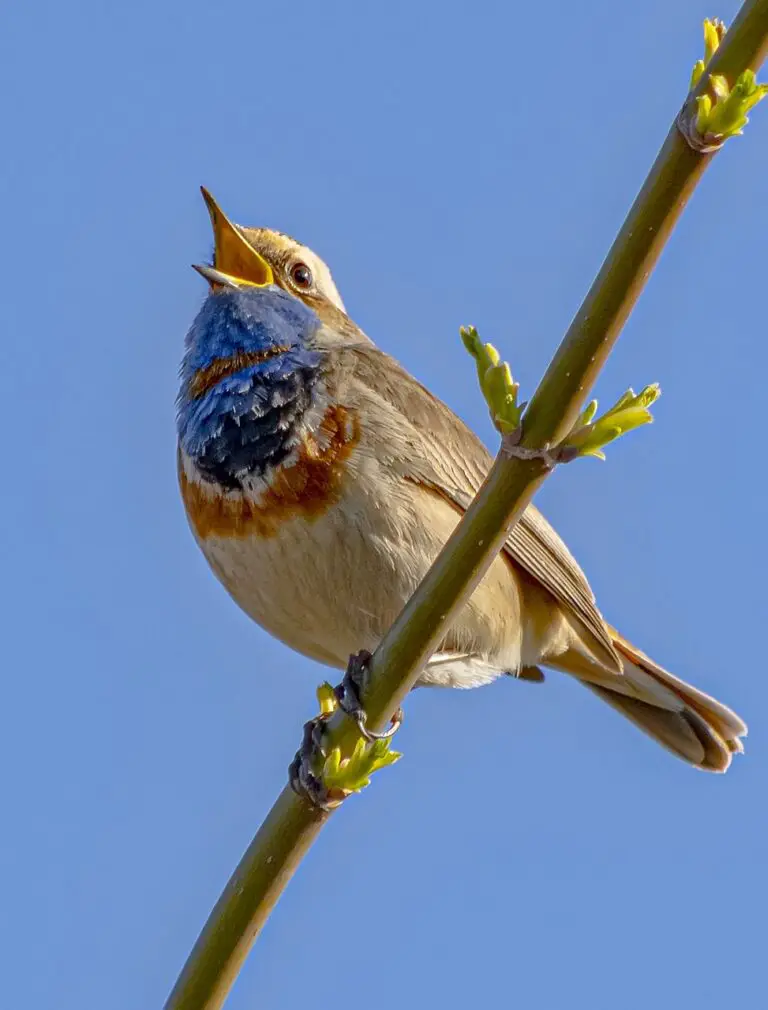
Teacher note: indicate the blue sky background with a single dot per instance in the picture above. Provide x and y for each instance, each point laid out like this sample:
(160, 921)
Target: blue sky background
(454, 164)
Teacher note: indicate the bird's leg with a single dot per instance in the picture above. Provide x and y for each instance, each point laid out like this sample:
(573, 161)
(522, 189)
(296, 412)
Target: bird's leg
(348, 694)
(301, 774)
(321, 772)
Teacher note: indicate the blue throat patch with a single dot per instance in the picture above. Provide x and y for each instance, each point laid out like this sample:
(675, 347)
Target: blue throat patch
(248, 377)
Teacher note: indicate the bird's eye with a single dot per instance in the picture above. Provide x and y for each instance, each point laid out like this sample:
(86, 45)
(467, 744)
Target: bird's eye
(301, 276)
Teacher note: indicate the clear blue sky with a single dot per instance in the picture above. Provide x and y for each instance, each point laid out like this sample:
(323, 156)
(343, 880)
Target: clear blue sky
(531, 849)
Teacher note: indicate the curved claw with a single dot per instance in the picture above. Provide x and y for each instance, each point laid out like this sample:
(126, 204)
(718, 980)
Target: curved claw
(302, 779)
(348, 696)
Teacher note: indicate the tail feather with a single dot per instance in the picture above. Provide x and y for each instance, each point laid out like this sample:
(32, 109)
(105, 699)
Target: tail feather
(697, 728)
(684, 733)
(723, 719)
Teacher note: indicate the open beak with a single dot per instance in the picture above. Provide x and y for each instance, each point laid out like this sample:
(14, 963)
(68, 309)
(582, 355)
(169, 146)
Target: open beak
(235, 262)
(215, 277)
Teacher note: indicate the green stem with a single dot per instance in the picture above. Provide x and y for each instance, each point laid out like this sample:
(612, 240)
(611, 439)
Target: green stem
(252, 892)
(637, 247)
(292, 824)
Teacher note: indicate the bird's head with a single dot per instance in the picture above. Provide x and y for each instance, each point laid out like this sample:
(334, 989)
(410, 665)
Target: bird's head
(252, 376)
(259, 257)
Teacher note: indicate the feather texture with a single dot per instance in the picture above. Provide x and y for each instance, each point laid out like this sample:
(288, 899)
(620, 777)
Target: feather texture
(321, 480)
(440, 451)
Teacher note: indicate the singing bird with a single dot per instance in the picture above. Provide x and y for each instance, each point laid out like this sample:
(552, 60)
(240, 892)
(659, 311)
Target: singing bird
(321, 479)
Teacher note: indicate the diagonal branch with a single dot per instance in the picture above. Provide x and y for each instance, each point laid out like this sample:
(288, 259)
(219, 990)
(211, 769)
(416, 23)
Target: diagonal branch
(292, 824)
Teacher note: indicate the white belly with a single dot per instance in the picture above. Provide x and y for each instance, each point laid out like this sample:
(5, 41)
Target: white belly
(296, 585)
(332, 585)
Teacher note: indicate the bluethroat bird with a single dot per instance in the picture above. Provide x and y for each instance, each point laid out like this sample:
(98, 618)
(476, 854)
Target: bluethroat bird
(320, 480)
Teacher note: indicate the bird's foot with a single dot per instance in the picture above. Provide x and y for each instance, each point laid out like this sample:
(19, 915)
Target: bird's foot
(305, 771)
(348, 695)
(321, 773)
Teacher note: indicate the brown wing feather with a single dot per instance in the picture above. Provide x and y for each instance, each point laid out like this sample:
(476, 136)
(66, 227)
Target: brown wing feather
(442, 452)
